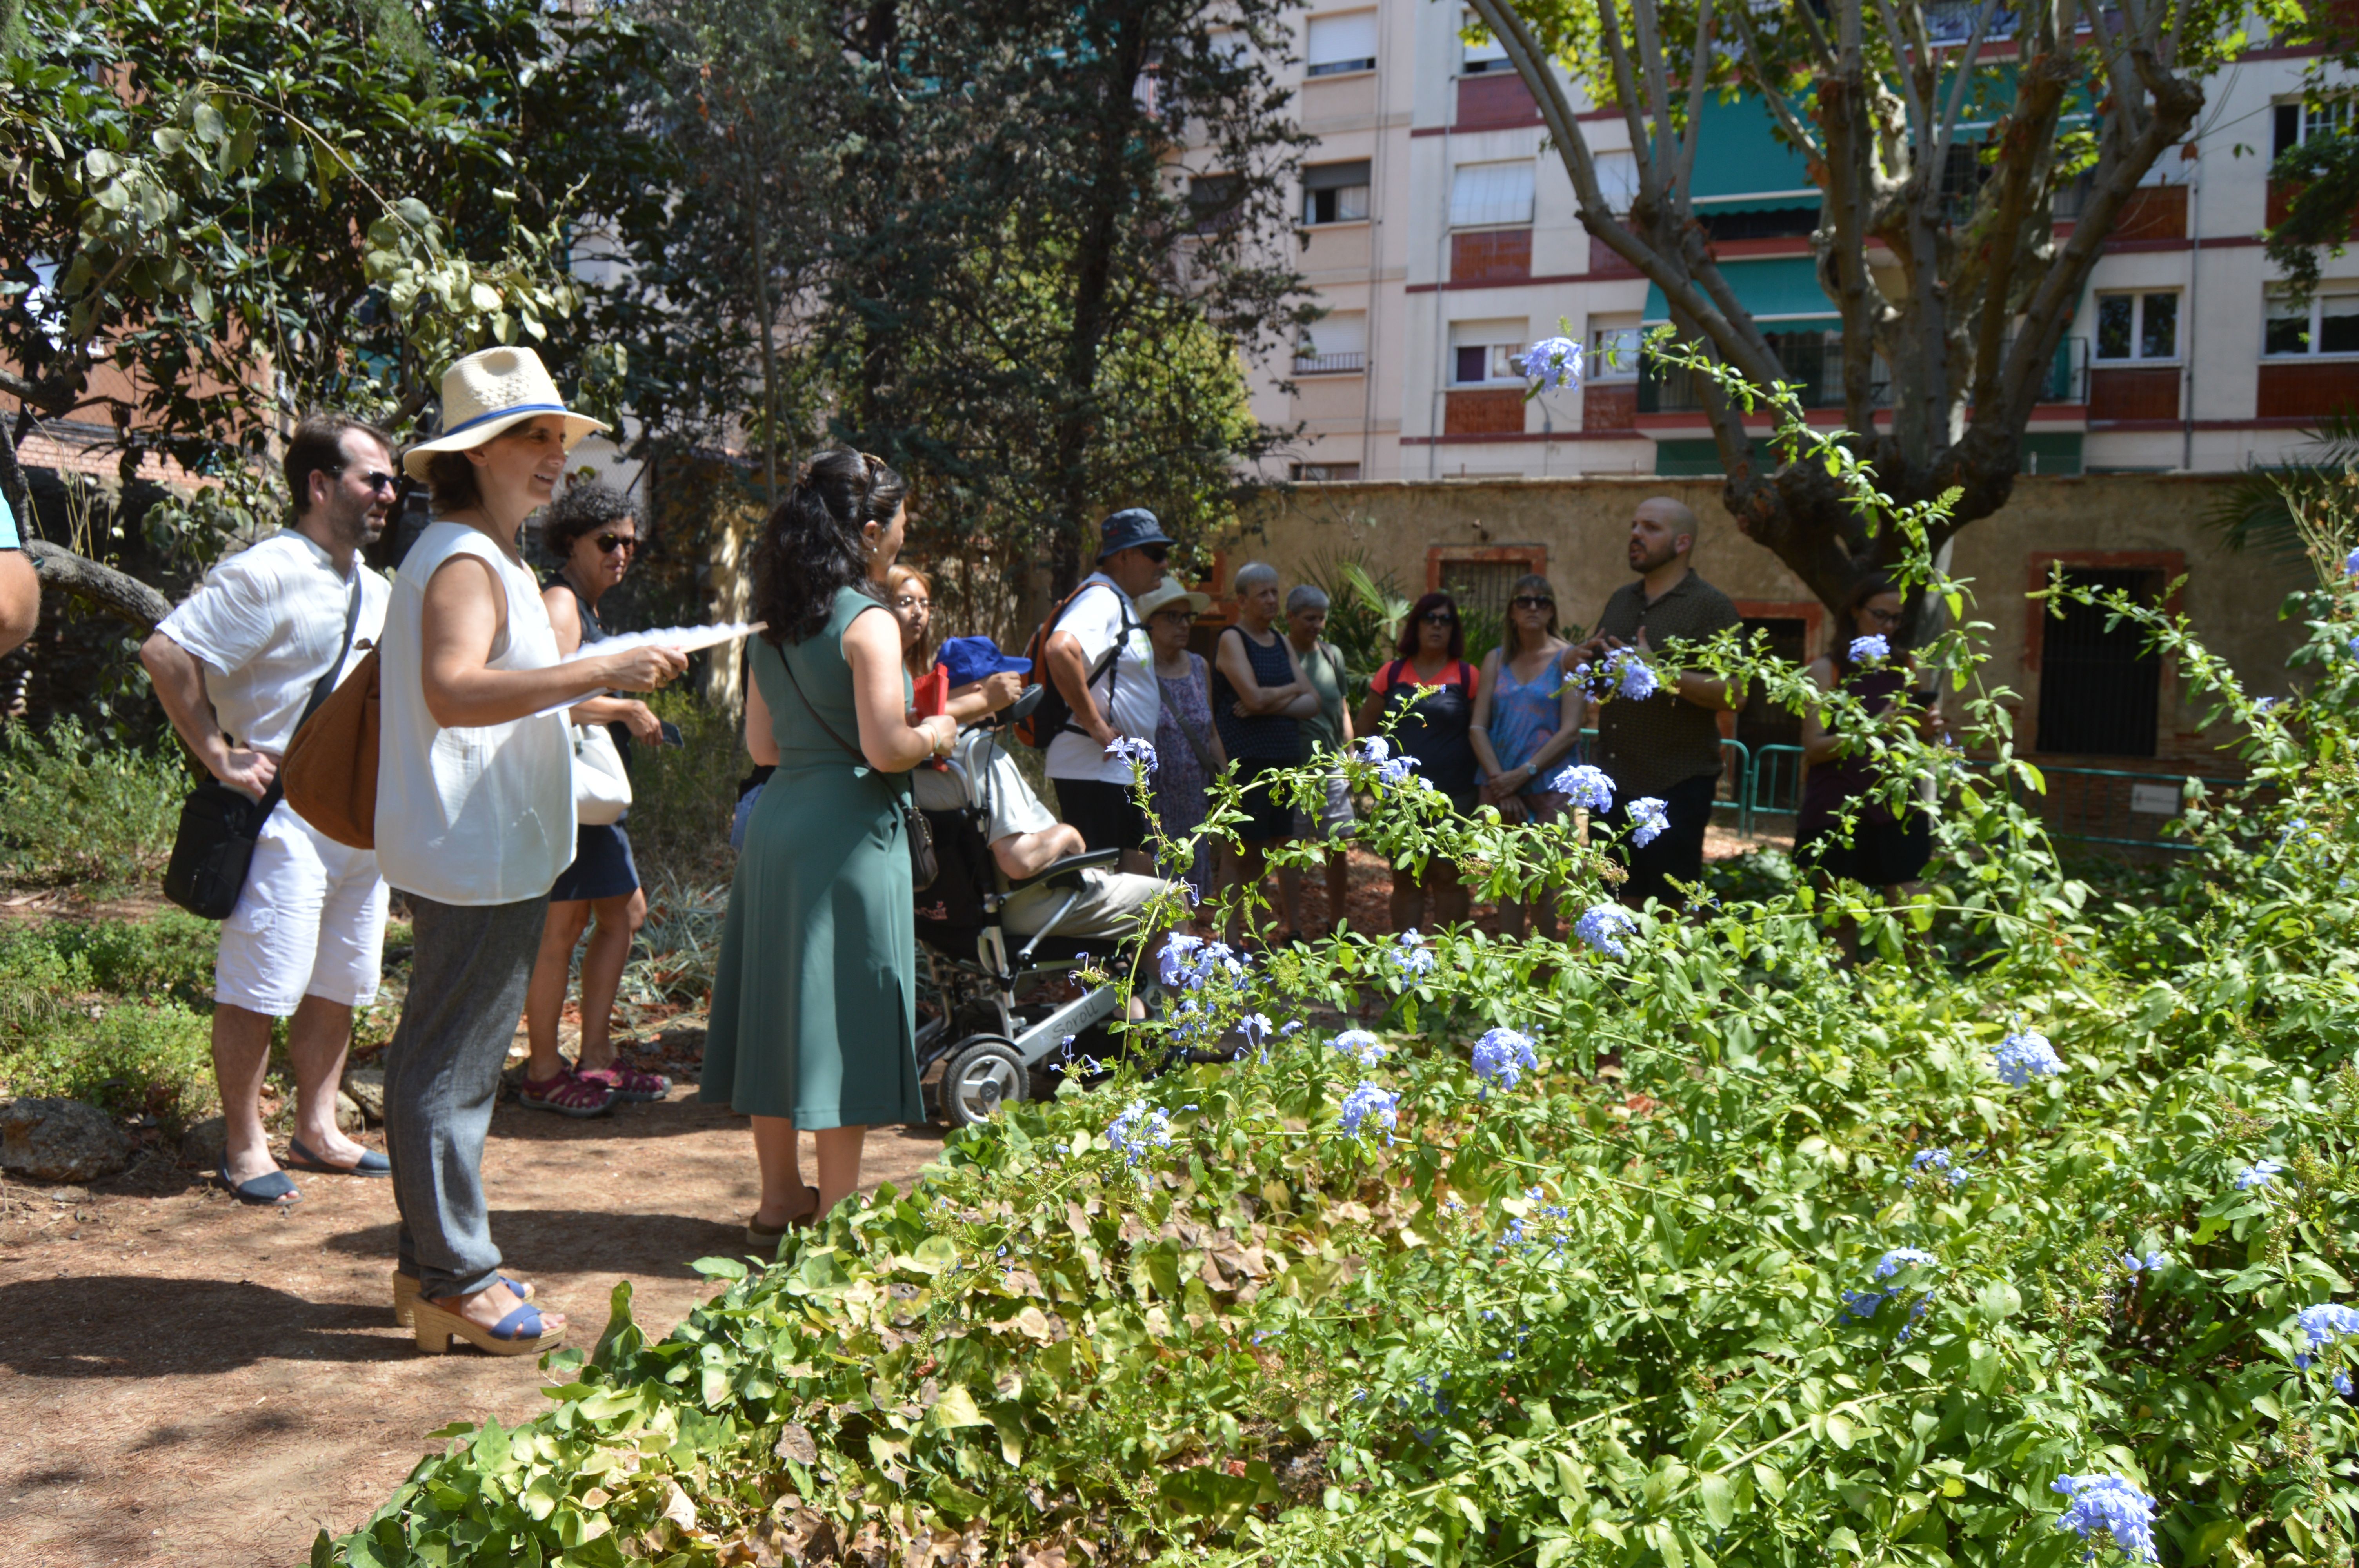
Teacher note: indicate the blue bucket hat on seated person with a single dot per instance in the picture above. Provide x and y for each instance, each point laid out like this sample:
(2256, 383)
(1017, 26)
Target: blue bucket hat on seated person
(1129, 529)
(970, 659)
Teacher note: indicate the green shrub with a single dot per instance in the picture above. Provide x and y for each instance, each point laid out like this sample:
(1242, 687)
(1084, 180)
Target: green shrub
(684, 797)
(1841, 1262)
(82, 813)
(129, 1057)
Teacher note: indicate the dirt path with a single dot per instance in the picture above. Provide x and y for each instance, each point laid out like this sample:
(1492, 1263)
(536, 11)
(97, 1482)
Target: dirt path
(183, 1379)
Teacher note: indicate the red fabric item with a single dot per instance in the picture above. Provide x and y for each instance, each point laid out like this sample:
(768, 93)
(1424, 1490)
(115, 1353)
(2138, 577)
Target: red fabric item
(933, 693)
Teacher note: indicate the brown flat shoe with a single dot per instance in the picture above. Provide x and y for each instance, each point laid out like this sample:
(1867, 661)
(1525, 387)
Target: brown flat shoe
(760, 1235)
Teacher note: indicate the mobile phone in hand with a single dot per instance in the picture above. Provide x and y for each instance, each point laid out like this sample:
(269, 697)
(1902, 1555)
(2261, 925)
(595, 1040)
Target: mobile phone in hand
(671, 734)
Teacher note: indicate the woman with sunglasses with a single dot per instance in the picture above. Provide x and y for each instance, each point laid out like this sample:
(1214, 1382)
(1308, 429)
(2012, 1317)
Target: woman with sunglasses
(1431, 687)
(1885, 848)
(594, 532)
(1526, 719)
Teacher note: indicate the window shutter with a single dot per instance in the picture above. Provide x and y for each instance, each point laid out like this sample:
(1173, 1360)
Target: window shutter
(1347, 42)
(1484, 194)
(1335, 176)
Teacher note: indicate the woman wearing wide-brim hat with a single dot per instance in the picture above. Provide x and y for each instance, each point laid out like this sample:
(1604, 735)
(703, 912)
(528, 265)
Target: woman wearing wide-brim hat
(474, 821)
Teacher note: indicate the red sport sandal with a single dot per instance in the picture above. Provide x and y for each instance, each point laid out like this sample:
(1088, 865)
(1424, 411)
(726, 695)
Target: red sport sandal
(626, 1083)
(566, 1095)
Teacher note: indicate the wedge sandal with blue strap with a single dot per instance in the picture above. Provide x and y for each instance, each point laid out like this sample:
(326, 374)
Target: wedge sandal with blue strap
(521, 1332)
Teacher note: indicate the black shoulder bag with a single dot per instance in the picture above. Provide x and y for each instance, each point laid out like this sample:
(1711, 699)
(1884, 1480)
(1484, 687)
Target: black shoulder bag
(923, 865)
(219, 825)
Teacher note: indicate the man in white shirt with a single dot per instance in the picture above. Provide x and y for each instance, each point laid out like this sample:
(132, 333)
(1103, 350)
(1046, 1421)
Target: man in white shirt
(235, 666)
(1104, 664)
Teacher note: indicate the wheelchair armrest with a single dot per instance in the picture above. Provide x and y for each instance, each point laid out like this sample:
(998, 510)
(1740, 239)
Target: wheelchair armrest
(1067, 873)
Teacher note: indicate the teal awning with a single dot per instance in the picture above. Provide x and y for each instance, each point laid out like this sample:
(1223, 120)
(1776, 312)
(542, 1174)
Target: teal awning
(1740, 154)
(1774, 286)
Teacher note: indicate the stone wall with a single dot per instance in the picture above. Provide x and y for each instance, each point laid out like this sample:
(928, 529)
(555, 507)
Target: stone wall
(1575, 531)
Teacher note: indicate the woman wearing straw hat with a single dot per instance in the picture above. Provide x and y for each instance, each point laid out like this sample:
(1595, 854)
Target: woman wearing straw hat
(475, 820)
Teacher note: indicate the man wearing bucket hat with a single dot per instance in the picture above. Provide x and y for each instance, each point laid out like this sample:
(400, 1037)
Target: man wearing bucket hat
(475, 820)
(1103, 665)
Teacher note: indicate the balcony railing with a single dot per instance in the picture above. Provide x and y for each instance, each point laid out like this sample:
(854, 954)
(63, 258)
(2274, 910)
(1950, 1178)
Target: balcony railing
(1330, 364)
(1814, 361)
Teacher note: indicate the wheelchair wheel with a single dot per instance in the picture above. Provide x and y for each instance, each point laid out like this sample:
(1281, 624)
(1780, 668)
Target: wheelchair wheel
(981, 1076)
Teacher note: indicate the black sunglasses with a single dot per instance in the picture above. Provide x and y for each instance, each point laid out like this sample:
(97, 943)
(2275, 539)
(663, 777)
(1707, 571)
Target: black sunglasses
(1440, 618)
(1533, 601)
(609, 542)
(376, 479)
(1159, 554)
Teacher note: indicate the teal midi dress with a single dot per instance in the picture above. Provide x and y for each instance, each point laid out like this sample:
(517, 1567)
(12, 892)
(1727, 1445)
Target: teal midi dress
(814, 1004)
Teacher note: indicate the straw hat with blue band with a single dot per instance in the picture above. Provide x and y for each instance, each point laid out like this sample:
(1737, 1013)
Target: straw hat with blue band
(484, 394)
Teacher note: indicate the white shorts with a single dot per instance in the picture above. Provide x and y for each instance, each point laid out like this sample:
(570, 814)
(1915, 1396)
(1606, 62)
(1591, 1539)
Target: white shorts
(1110, 905)
(1335, 814)
(310, 922)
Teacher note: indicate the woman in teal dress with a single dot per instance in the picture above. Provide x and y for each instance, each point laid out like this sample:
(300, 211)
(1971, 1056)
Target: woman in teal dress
(814, 1004)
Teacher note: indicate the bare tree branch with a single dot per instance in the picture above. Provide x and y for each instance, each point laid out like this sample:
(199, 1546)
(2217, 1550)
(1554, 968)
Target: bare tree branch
(102, 586)
(1965, 76)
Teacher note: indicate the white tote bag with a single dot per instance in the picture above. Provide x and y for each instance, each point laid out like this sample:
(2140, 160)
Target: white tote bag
(601, 785)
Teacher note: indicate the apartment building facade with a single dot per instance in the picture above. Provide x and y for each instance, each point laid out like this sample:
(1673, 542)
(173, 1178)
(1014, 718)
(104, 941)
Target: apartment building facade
(1441, 236)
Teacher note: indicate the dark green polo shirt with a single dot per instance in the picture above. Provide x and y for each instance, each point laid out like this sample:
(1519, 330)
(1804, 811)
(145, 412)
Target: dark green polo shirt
(1646, 747)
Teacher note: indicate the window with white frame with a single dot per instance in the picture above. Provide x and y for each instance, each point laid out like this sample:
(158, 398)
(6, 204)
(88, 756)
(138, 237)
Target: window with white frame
(1617, 178)
(1482, 59)
(1232, 48)
(2298, 121)
(1491, 195)
(2326, 323)
(1340, 43)
(1613, 344)
(2142, 326)
(1484, 353)
(1335, 192)
(1336, 343)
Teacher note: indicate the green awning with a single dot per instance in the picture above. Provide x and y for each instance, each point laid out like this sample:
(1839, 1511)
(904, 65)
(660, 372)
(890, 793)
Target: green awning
(1740, 154)
(1771, 287)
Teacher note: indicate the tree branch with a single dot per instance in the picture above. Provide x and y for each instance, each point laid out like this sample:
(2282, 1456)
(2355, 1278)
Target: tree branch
(100, 586)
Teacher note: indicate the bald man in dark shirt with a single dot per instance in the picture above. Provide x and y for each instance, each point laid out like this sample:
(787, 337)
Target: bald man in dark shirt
(1666, 746)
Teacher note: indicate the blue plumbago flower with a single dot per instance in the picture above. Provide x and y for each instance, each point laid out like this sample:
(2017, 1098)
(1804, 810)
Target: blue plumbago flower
(1937, 1162)
(1412, 955)
(1369, 1102)
(1397, 773)
(1174, 956)
(1639, 681)
(1870, 650)
(2259, 1174)
(1254, 1026)
(2353, 646)
(1552, 362)
(2351, 563)
(2147, 1264)
(1900, 1257)
(1559, 1219)
(1293, 1028)
(1650, 818)
(2343, 1384)
(2025, 1055)
(1602, 928)
(1502, 1055)
(2109, 1506)
(2327, 1322)
(1138, 753)
(1360, 1045)
(1861, 1303)
(1138, 1129)
(1588, 785)
(2265, 704)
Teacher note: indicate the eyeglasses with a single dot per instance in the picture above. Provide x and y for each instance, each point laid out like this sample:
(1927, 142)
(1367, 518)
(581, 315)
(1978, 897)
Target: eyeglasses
(378, 480)
(626, 543)
(1159, 554)
(1883, 617)
(1440, 618)
(911, 602)
(1533, 601)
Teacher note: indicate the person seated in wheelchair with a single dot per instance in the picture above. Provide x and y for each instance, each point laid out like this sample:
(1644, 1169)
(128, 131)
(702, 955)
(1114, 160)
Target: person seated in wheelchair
(1025, 837)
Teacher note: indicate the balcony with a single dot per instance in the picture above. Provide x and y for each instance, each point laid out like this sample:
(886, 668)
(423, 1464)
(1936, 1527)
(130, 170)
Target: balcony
(1330, 364)
(1493, 100)
(1484, 411)
(2298, 389)
(2152, 212)
(1814, 360)
(2134, 393)
(1491, 255)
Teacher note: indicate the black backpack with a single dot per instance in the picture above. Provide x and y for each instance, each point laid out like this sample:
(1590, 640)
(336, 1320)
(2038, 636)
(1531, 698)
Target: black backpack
(1053, 715)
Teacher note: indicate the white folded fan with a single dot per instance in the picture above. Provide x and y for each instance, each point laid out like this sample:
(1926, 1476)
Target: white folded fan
(687, 639)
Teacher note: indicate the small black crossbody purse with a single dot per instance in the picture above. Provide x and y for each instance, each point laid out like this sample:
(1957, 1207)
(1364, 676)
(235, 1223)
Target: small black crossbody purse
(924, 866)
(219, 826)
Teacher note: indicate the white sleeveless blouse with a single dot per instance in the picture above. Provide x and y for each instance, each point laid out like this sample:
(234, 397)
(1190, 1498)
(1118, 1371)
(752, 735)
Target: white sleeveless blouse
(477, 815)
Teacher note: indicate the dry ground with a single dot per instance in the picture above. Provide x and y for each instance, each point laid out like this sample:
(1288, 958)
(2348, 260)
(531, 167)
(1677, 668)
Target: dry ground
(184, 1379)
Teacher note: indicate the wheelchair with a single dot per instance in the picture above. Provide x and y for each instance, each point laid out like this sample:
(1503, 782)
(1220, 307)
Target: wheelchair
(999, 1012)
